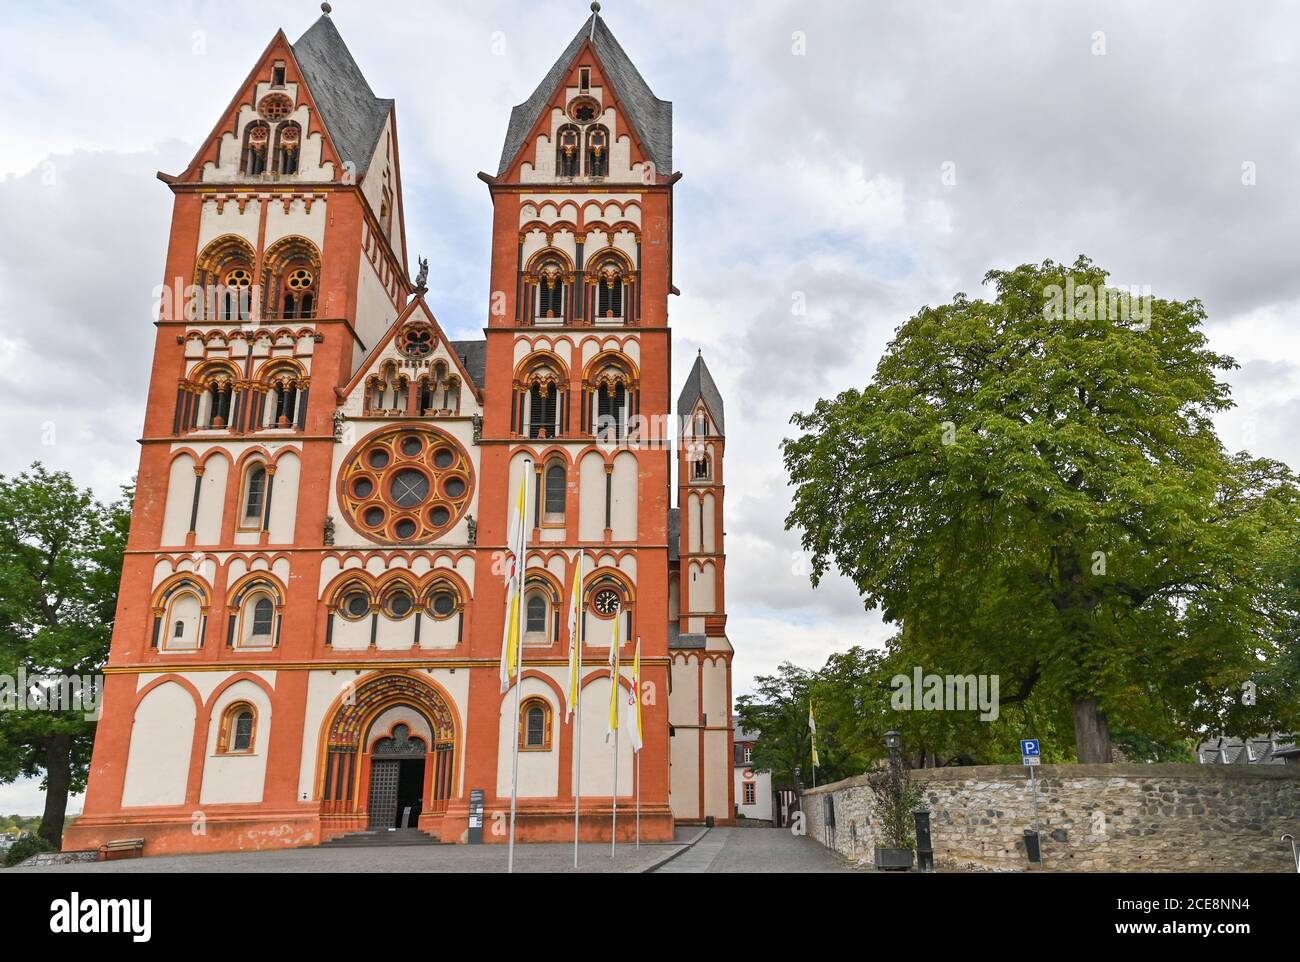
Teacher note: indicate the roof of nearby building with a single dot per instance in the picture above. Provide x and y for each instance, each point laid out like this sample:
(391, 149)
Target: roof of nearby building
(351, 112)
(699, 384)
(651, 117)
(678, 640)
(473, 354)
(739, 734)
(1263, 750)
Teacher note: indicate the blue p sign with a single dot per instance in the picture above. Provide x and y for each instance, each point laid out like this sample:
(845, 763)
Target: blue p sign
(1029, 746)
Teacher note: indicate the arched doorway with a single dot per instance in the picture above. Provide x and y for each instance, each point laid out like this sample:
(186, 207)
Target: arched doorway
(397, 768)
(372, 773)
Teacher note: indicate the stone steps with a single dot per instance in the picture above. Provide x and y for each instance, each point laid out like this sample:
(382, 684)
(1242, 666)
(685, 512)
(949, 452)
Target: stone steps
(377, 838)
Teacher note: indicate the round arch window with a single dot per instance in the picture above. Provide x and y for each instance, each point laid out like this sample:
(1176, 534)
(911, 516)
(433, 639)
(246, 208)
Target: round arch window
(356, 605)
(443, 604)
(398, 604)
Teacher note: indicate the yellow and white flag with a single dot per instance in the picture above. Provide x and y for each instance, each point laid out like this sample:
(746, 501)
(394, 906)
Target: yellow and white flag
(812, 728)
(634, 701)
(517, 544)
(575, 641)
(614, 677)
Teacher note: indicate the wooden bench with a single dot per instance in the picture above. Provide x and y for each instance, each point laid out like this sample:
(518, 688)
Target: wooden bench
(121, 848)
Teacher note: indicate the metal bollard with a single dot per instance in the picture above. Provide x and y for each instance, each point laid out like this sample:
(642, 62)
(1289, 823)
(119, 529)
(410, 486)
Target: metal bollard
(1033, 847)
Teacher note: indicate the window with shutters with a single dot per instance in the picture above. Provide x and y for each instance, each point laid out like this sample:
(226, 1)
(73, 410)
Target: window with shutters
(542, 410)
(611, 412)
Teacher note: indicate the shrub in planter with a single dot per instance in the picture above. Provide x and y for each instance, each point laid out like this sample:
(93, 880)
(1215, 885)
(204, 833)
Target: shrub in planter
(896, 798)
(25, 848)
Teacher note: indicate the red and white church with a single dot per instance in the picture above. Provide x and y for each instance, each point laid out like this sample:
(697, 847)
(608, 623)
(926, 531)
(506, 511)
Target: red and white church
(310, 621)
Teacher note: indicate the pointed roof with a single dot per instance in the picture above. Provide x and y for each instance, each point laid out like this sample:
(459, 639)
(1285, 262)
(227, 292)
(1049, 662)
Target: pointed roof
(651, 117)
(351, 112)
(699, 385)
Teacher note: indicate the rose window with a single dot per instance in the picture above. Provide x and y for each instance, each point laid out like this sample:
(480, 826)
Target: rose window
(275, 107)
(406, 484)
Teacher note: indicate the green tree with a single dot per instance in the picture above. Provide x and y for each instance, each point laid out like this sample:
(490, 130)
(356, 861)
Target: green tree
(1032, 486)
(60, 564)
(778, 711)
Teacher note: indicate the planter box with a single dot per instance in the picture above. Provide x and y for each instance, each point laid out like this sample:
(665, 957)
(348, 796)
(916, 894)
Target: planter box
(893, 859)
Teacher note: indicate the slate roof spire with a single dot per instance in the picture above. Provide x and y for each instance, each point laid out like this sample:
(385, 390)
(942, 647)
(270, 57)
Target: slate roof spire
(651, 117)
(351, 112)
(699, 384)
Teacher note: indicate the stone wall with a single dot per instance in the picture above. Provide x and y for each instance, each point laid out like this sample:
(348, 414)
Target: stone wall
(1093, 818)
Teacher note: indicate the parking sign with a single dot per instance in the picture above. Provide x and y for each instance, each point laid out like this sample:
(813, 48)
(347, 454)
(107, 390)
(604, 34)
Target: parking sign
(1029, 747)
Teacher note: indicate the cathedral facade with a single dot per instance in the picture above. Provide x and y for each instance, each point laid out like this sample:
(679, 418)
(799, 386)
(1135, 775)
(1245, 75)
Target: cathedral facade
(310, 622)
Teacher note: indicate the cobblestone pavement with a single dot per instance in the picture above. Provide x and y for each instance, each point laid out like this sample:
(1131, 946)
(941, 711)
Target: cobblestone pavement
(756, 850)
(431, 858)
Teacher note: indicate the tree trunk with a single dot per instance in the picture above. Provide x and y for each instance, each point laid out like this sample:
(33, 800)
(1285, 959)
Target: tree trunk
(1091, 733)
(58, 776)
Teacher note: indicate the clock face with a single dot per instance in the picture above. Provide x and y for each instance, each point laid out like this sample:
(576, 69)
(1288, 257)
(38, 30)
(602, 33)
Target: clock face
(606, 602)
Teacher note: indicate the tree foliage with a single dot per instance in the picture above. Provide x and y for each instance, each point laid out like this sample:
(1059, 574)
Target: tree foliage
(60, 564)
(1040, 494)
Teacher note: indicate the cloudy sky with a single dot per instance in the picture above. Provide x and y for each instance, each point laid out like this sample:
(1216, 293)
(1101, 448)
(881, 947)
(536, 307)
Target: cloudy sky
(1162, 139)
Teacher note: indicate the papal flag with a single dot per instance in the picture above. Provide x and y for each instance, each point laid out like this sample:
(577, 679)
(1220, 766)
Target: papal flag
(614, 677)
(517, 544)
(812, 727)
(634, 701)
(575, 640)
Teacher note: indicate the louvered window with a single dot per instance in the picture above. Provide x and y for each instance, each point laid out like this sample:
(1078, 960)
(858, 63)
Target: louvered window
(541, 413)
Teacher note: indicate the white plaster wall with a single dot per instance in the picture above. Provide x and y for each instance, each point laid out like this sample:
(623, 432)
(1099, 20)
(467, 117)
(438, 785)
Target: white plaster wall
(684, 787)
(296, 223)
(212, 500)
(180, 498)
(623, 512)
(162, 736)
(284, 500)
(684, 702)
(228, 779)
(597, 754)
(591, 497)
(539, 772)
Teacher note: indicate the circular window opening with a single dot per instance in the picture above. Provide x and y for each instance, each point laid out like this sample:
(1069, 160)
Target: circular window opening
(443, 458)
(356, 604)
(439, 516)
(411, 446)
(378, 458)
(363, 487)
(454, 487)
(409, 488)
(444, 603)
(400, 603)
(405, 529)
(374, 517)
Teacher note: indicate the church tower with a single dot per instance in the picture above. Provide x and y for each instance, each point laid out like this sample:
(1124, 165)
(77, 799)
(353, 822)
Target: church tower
(701, 653)
(578, 355)
(310, 617)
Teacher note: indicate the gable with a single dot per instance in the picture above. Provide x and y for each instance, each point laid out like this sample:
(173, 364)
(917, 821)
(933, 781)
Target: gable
(648, 118)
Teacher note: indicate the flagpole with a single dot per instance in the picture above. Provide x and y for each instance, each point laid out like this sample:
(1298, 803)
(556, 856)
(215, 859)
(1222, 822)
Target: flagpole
(613, 825)
(636, 717)
(576, 641)
(521, 573)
